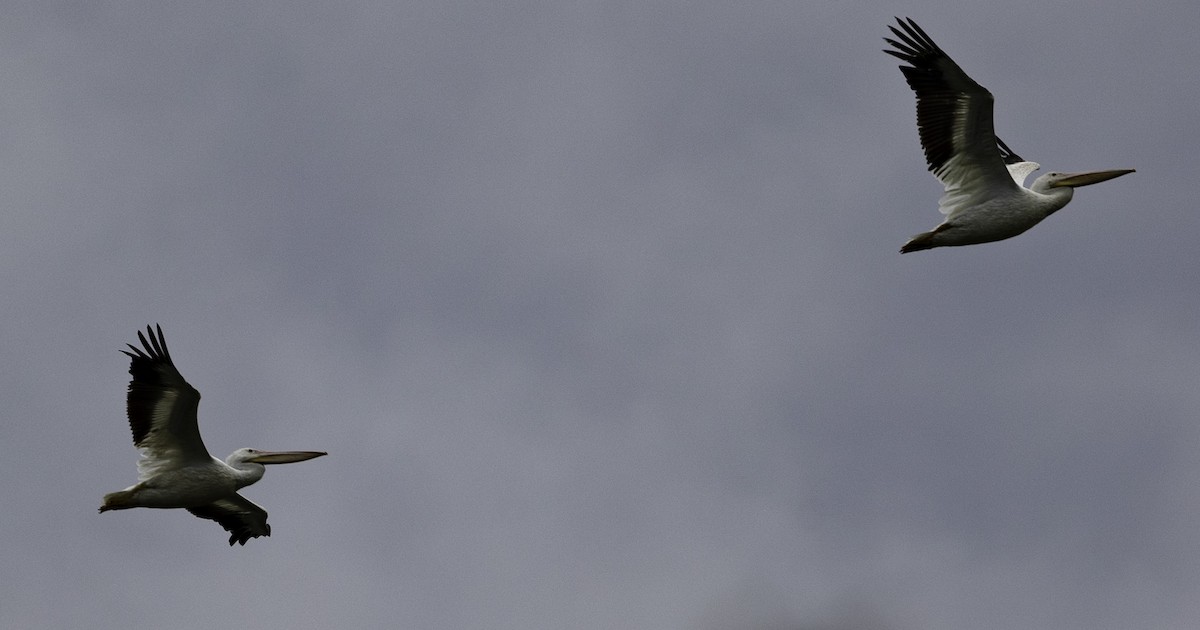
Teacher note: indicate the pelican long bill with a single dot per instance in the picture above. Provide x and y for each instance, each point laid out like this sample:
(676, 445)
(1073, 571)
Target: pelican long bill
(284, 457)
(1087, 178)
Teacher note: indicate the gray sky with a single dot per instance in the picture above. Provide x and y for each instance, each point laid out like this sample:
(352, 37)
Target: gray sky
(598, 310)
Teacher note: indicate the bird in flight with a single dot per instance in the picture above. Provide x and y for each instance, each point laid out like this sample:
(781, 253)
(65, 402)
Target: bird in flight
(175, 470)
(985, 198)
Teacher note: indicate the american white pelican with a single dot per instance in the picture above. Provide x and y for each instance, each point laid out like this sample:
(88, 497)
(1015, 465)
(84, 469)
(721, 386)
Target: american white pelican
(985, 198)
(175, 470)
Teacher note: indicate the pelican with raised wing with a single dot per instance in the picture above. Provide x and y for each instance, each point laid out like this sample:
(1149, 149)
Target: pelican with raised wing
(175, 470)
(985, 198)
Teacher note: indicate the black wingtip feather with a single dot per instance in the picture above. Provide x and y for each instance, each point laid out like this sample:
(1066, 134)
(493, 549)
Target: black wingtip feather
(942, 90)
(153, 371)
(1008, 155)
(243, 536)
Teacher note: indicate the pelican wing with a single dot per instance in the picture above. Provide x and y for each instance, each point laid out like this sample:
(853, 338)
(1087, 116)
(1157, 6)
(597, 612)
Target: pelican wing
(239, 516)
(954, 118)
(162, 409)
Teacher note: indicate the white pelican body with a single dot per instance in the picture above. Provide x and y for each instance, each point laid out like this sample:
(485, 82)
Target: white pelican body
(176, 470)
(985, 199)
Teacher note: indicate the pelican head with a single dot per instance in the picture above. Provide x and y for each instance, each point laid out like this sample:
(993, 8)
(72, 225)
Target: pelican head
(248, 462)
(1086, 178)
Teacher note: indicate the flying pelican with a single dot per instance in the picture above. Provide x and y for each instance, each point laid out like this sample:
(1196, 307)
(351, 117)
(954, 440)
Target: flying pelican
(175, 470)
(985, 199)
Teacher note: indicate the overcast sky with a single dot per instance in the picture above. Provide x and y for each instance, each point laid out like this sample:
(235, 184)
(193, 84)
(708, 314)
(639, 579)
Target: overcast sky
(597, 309)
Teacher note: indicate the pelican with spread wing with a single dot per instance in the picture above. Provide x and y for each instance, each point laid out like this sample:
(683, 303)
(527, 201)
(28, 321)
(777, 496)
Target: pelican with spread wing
(175, 470)
(985, 198)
